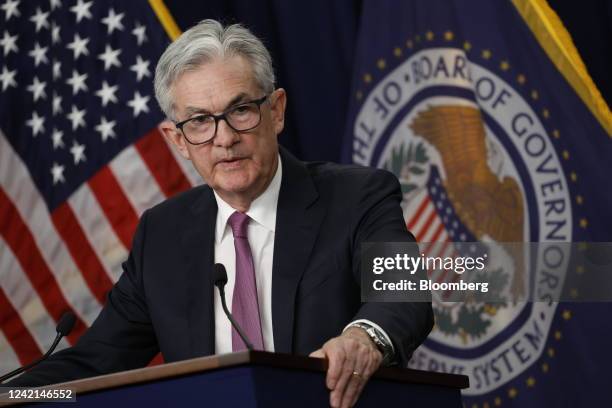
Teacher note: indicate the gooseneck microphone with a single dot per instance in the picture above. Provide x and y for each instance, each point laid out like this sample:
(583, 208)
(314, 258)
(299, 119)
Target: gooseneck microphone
(64, 327)
(220, 279)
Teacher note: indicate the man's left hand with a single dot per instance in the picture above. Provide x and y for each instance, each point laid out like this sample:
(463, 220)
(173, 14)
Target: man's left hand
(352, 358)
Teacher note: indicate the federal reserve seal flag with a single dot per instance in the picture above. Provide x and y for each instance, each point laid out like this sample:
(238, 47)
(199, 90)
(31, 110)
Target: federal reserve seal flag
(486, 115)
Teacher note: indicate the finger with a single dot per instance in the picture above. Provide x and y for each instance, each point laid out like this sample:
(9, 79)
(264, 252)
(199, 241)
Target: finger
(372, 366)
(359, 354)
(367, 372)
(317, 354)
(356, 381)
(346, 372)
(335, 357)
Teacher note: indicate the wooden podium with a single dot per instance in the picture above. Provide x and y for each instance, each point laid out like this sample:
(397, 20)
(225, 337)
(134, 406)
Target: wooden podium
(257, 379)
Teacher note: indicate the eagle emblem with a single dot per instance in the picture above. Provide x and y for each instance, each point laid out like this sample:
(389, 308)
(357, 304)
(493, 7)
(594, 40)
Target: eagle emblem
(468, 200)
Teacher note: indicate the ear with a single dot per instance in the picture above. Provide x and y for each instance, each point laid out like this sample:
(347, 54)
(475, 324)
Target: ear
(278, 102)
(174, 137)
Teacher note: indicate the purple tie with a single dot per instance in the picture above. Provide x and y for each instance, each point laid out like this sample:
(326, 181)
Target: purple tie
(245, 307)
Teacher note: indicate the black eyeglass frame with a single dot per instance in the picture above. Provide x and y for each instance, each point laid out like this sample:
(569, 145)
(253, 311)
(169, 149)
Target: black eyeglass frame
(220, 117)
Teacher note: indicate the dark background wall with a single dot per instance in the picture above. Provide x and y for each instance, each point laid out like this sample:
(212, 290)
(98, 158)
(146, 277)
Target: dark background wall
(312, 45)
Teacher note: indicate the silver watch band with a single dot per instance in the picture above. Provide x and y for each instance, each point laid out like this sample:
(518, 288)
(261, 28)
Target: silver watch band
(379, 340)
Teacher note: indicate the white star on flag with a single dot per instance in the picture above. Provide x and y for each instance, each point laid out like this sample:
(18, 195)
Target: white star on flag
(57, 69)
(40, 19)
(10, 9)
(81, 10)
(141, 68)
(8, 78)
(77, 117)
(57, 104)
(55, 33)
(139, 32)
(38, 89)
(39, 54)
(78, 46)
(55, 4)
(78, 152)
(9, 43)
(56, 137)
(105, 128)
(77, 81)
(113, 21)
(57, 171)
(110, 57)
(138, 103)
(107, 93)
(37, 123)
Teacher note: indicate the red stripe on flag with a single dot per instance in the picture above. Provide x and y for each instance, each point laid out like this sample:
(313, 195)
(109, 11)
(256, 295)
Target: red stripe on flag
(161, 163)
(82, 252)
(16, 332)
(19, 238)
(425, 227)
(418, 213)
(437, 233)
(116, 206)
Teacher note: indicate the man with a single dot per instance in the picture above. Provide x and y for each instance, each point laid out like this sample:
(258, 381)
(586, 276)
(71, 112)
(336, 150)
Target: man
(288, 232)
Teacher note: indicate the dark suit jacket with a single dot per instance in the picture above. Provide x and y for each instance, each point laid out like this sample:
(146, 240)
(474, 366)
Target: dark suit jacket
(164, 299)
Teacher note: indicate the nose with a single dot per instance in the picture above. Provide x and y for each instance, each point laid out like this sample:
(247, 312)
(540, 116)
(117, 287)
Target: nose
(226, 136)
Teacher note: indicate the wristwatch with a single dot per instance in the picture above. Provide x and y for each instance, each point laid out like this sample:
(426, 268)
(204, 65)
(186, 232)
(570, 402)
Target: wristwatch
(380, 340)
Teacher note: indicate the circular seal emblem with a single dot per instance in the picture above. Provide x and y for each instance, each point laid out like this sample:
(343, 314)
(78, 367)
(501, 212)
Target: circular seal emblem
(475, 163)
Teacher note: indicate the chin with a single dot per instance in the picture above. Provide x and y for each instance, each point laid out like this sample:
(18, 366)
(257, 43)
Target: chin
(235, 183)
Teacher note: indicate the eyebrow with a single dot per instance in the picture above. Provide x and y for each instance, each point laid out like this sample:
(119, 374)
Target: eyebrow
(190, 110)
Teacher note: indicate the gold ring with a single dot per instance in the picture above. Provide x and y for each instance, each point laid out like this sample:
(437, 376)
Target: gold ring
(356, 374)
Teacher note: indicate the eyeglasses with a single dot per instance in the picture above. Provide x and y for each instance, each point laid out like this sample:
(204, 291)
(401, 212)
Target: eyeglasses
(202, 129)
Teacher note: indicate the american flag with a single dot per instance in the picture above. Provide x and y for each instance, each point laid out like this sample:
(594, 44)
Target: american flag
(81, 158)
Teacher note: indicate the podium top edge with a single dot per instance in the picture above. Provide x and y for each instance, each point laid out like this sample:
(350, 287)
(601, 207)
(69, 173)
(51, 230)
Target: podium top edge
(249, 358)
(407, 375)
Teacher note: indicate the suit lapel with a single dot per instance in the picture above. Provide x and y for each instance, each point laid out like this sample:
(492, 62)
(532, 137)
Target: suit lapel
(298, 218)
(299, 215)
(198, 242)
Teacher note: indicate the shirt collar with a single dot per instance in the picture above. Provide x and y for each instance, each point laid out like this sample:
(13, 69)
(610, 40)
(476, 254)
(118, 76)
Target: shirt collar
(262, 209)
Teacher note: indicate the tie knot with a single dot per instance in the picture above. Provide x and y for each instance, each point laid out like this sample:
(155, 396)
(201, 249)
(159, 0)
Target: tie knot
(238, 222)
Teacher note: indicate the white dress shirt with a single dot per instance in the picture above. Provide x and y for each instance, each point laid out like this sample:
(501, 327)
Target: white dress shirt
(260, 233)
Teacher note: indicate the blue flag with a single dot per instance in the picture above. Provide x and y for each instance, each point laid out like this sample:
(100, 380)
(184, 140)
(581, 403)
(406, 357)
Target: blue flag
(485, 113)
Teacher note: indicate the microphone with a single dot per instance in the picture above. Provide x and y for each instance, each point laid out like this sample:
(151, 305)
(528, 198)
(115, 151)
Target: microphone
(64, 327)
(220, 279)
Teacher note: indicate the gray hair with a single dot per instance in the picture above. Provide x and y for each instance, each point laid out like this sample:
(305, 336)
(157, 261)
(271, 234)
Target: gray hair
(201, 44)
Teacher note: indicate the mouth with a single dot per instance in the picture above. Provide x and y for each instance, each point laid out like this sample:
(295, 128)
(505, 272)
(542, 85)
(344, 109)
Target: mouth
(230, 162)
